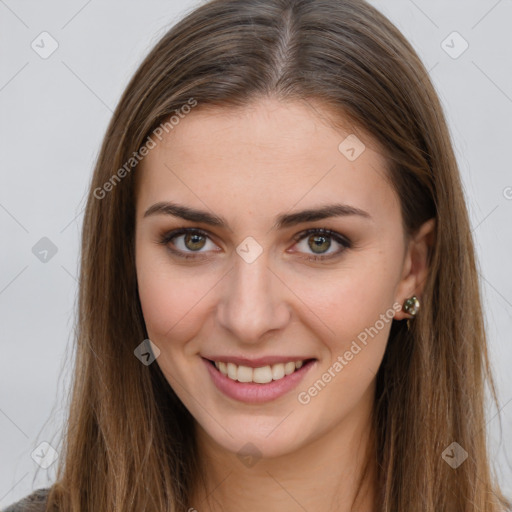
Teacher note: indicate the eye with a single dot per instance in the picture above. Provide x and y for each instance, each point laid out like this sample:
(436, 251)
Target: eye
(187, 240)
(319, 241)
(188, 243)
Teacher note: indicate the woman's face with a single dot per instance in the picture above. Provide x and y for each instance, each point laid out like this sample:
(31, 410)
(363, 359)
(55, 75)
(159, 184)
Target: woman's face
(246, 284)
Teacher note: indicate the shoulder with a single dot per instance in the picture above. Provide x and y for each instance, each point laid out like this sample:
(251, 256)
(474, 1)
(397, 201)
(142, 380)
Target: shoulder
(35, 502)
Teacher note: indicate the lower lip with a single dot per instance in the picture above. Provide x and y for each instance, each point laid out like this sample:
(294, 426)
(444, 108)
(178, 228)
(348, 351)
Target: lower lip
(254, 393)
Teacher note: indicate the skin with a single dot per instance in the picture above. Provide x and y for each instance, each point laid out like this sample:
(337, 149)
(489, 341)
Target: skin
(250, 165)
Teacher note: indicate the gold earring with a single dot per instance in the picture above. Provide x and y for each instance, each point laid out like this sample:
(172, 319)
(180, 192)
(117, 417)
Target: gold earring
(411, 306)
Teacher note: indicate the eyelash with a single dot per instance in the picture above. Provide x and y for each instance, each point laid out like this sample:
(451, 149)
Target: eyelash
(342, 240)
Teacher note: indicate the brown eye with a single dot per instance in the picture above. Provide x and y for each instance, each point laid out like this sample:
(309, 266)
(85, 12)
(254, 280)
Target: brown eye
(319, 243)
(184, 242)
(194, 241)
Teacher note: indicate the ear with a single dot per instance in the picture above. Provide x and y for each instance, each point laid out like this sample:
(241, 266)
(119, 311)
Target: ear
(415, 266)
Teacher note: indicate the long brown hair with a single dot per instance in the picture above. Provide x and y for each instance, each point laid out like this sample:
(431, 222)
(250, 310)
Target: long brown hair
(130, 443)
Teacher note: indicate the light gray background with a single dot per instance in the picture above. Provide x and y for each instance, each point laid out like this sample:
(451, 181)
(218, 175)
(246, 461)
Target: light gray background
(53, 116)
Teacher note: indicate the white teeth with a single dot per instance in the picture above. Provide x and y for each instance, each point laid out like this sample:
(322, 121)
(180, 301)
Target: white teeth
(289, 368)
(261, 375)
(244, 374)
(232, 371)
(277, 371)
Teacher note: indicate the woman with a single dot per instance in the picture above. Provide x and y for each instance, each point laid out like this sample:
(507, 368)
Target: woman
(279, 302)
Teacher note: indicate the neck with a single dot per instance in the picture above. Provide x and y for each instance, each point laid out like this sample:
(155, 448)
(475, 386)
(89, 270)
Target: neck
(323, 475)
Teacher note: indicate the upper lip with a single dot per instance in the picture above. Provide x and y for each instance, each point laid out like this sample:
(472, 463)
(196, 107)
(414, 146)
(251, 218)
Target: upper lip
(259, 361)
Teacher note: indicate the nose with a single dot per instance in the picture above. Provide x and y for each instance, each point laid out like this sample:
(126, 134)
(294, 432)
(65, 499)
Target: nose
(253, 301)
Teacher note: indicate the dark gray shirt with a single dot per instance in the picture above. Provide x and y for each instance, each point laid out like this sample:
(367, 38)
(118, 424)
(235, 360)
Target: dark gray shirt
(35, 502)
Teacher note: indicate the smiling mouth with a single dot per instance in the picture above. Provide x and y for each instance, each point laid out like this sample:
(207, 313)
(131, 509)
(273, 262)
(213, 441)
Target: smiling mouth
(260, 375)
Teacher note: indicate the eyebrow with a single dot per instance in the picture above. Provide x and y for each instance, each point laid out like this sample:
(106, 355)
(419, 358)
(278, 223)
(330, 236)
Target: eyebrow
(282, 221)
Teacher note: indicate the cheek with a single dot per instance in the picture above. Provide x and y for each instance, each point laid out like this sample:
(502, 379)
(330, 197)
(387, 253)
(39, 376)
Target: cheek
(167, 297)
(353, 308)
(357, 309)
(348, 300)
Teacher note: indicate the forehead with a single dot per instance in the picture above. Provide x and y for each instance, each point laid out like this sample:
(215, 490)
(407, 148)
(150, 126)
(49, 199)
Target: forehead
(267, 156)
